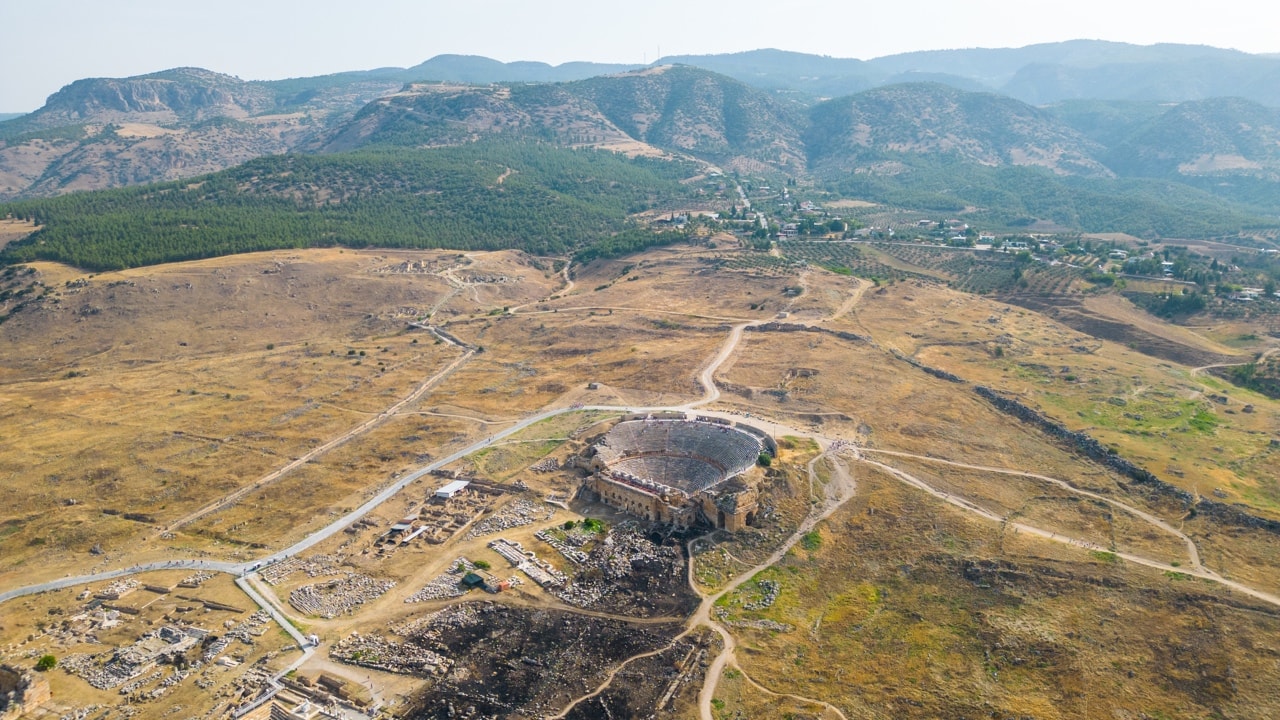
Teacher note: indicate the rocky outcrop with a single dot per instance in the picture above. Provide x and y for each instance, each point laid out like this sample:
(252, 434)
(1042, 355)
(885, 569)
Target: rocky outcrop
(183, 93)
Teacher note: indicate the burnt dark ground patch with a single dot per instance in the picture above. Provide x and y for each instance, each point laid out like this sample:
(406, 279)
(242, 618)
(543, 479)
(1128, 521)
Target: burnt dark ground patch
(523, 662)
(665, 685)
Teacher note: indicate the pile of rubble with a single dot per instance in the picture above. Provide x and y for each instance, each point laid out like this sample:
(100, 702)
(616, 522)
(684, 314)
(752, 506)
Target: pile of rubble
(516, 514)
(81, 713)
(118, 589)
(103, 676)
(445, 585)
(166, 684)
(243, 690)
(567, 544)
(86, 668)
(195, 581)
(379, 653)
(768, 596)
(414, 626)
(545, 465)
(242, 632)
(624, 560)
(429, 629)
(582, 595)
(338, 597)
(129, 687)
(83, 627)
(315, 566)
(122, 665)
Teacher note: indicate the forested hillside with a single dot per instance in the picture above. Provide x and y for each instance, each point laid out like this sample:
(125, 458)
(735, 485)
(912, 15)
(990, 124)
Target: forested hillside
(1014, 197)
(933, 119)
(699, 112)
(428, 115)
(356, 168)
(1223, 136)
(737, 109)
(481, 196)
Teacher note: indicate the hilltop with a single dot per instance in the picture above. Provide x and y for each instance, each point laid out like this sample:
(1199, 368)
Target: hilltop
(745, 110)
(108, 132)
(934, 119)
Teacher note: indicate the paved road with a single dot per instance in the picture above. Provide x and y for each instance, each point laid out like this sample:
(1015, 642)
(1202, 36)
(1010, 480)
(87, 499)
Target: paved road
(280, 619)
(328, 531)
(212, 565)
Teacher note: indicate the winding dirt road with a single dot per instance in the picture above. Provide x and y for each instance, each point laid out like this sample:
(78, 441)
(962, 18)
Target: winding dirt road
(969, 506)
(1193, 552)
(1265, 354)
(839, 490)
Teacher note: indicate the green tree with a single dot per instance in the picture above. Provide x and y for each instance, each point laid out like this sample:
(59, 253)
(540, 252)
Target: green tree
(46, 662)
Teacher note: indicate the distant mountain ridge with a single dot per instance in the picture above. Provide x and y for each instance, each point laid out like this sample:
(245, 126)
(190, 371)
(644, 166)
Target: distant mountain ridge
(681, 109)
(1036, 74)
(479, 69)
(760, 112)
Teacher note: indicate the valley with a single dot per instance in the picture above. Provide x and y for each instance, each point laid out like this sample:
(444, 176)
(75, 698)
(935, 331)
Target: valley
(925, 386)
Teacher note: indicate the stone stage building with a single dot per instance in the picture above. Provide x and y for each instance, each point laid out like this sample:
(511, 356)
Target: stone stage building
(672, 469)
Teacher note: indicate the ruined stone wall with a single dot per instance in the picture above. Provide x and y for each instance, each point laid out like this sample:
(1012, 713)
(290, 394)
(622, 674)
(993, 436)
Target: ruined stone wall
(1086, 445)
(629, 499)
(797, 327)
(940, 374)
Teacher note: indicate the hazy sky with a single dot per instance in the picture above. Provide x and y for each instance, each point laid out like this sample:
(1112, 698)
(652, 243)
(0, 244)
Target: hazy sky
(49, 43)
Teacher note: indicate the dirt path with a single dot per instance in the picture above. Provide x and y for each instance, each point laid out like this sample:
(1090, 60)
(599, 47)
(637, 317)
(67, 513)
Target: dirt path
(840, 489)
(854, 298)
(1016, 527)
(569, 285)
(312, 454)
(648, 311)
(711, 393)
(1200, 370)
(1193, 552)
(809, 701)
(462, 417)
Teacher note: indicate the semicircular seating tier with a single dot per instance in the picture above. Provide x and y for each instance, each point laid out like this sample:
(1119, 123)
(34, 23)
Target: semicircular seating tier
(686, 455)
